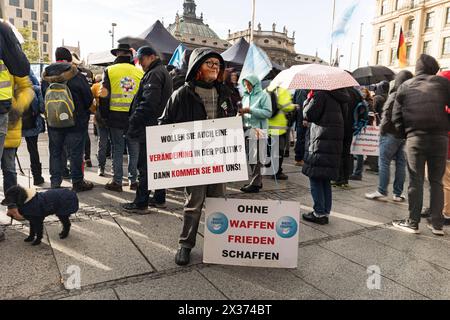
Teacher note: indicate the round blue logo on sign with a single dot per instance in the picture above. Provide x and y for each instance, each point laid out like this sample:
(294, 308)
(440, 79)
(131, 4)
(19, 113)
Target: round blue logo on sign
(217, 223)
(287, 227)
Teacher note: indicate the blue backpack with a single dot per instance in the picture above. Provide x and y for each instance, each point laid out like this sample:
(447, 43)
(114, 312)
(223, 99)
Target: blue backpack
(360, 117)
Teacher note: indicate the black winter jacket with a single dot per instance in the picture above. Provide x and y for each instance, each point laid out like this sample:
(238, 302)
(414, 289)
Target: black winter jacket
(185, 105)
(419, 107)
(325, 138)
(79, 88)
(15, 60)
(149, 103)
(387, 126)
(60, 202)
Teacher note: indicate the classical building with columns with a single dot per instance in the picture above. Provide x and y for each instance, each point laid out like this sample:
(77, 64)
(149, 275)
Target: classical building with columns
(278, 45)
(426, 26)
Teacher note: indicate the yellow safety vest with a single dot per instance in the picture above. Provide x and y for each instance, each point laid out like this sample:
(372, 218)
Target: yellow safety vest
(6, 89)
(125, 79)
(278, 125)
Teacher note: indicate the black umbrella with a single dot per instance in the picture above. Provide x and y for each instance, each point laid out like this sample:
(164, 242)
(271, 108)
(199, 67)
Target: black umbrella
(373, 74)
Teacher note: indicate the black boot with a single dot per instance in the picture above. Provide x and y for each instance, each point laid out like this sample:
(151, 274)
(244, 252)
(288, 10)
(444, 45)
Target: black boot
(82, 186)
(311, 217)
(183, 257)
(65, 221)
(36, 170)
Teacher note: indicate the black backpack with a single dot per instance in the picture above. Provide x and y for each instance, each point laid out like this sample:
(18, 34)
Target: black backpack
(274, 101)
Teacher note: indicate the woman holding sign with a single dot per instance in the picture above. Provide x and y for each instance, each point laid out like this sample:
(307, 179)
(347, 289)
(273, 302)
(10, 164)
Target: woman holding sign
(203, 97)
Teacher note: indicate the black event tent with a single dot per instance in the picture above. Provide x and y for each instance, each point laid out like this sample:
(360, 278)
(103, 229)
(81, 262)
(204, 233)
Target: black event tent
(158, 37)
(236, 55)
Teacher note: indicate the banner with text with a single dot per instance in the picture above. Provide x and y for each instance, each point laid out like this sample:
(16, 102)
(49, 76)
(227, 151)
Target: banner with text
(251, 233)
(367, 143)
(196, 153)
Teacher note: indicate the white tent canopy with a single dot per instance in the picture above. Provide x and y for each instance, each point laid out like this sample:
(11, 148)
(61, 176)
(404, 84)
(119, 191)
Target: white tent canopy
(100, 58)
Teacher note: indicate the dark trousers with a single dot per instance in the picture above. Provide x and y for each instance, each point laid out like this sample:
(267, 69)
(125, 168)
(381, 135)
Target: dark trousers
(87, 147)
(74, 141)
(36, 166)
(346, 165)
(195, 200)
(300, 144)
(430, 150)
(142, 193)
(278, 143)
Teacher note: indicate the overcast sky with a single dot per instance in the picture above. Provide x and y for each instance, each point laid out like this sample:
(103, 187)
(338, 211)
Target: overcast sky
(89, 21)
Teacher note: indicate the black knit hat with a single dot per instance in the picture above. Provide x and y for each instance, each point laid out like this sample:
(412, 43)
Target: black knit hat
(63, 54)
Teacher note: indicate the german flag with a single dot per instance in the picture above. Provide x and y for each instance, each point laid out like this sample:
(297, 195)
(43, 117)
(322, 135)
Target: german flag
(401, 51)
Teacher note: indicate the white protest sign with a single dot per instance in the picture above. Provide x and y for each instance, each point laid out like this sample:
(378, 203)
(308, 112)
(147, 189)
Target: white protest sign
(251, 233)
(367, 143)
(196, 153)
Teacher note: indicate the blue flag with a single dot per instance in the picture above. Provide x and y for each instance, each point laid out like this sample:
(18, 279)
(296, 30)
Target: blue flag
(177, 58)
(343, 24)
(257, 63)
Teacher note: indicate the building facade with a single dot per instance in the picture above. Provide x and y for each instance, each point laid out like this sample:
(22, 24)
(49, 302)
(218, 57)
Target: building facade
(279, 46)
(426, 26)
(36, 15)
(193, 32)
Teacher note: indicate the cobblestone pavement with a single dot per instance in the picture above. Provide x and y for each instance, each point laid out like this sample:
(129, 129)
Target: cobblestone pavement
(130, 256)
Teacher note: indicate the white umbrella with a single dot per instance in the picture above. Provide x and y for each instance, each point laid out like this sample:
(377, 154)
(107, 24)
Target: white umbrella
(314, 77)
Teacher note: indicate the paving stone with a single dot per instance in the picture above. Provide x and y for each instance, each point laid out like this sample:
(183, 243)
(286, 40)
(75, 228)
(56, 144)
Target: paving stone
(156, 235)
(420, 276)
(107, 295)
(342, 279)
(240, 283)
(100, 249)
(26, 270)
(182, 286)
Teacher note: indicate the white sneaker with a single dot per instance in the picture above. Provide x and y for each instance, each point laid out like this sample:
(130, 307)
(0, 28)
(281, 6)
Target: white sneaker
(401, 198)
(376, 196)
(436, 232)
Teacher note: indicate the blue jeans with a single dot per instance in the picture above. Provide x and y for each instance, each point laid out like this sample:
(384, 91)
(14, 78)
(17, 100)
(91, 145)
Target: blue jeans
(9, 168)
(392, 148)
(74, 142)
(142, 193)
(118, 146)
(322, 195)
(103, 140)
(3, 131)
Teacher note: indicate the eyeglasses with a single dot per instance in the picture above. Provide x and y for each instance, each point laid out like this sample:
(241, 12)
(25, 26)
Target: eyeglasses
(212, 64)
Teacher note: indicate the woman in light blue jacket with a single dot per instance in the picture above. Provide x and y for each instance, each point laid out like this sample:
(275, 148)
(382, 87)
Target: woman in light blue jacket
(256, 111)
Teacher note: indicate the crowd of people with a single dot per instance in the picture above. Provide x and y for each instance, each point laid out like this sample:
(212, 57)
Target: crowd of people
(130, 96)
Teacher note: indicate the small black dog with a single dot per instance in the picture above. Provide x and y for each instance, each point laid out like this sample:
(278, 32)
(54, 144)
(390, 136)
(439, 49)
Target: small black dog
(35, 207)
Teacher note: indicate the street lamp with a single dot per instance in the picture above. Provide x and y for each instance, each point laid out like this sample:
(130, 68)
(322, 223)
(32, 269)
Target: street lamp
(111, 32)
